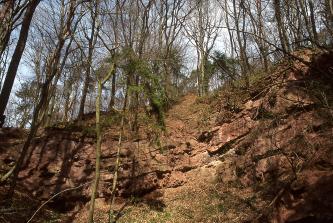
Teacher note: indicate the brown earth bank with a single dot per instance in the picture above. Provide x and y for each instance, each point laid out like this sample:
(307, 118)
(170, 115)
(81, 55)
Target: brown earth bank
(264, 154)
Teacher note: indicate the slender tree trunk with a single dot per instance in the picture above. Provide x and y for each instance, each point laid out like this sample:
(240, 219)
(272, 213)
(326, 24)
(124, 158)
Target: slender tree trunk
(49, 110)
(244, 38)
(115, 175)
(113, 92)
(231, 37)
(98, 154)
(91, 44)
(72, 105)
(84, 95)
(201, 50)
(167, 78)
(262, 45)
(116, 42)
(98, 144)
(6, 25)
(313, 22)
(13, 66)
(199, 83)
(66, 108)
(116, 170)
(280, 25)
(329, 18)
(299, 31)
(205, 77)
(66, 95)
(49, 106)
(306, 18)
(239, 40)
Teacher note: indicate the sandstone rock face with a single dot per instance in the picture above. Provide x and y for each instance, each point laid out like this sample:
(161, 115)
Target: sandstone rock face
(273, 154)
(59, 160)
(279, 143)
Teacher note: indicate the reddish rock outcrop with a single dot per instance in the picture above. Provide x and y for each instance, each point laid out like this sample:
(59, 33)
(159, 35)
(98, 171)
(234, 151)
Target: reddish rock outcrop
(272, 151)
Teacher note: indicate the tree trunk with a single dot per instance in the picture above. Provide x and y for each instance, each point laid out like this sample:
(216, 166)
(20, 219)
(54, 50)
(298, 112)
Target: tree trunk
(239, 40)
(98, 154)
(329, 18)
(116, 170)
(313, 23)
(33, 129)
(44, 97)
(280, 26)
(6, 25)
(91, 44)
(13, 66)
(262, 45)
(205, 77)
(113, 92)
(306, 18)
(84, 95)
(201, 39)
(231, 37)
(98, 143)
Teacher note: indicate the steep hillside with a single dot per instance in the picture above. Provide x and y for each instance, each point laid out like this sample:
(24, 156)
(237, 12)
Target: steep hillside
(258, 155)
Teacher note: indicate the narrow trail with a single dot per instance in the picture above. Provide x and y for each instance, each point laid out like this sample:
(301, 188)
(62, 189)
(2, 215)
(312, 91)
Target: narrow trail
(190, 169)
(186, 120)
(180, 120)
(192, 165)
(181, 165)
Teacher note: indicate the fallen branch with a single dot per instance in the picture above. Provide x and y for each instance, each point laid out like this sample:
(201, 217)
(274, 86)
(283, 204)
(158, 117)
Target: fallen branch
(7, 175)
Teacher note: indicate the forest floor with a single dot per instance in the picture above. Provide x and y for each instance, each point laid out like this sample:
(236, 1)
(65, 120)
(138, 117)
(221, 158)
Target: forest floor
(261, 154)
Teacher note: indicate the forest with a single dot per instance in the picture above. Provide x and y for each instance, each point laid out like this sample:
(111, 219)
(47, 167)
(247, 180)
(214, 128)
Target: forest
(129, 71)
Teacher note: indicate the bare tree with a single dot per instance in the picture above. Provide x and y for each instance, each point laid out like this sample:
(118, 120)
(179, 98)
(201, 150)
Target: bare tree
(16, 58)
(202, 28)
(10, 13)
(100, 82)
(67, 15)
(280, 25)
(93, 7)
(257, 21)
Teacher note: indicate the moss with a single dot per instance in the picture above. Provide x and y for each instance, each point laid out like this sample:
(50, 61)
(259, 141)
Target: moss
(89, 131)
(145, 213)
(161, 217)
(263, 113)
(221, 208)
(158, 106)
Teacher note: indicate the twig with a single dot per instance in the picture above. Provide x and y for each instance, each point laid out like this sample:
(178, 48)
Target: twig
(278, 196)
(7, 175)
(4, 220)
(63, 191)
(271, 85)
